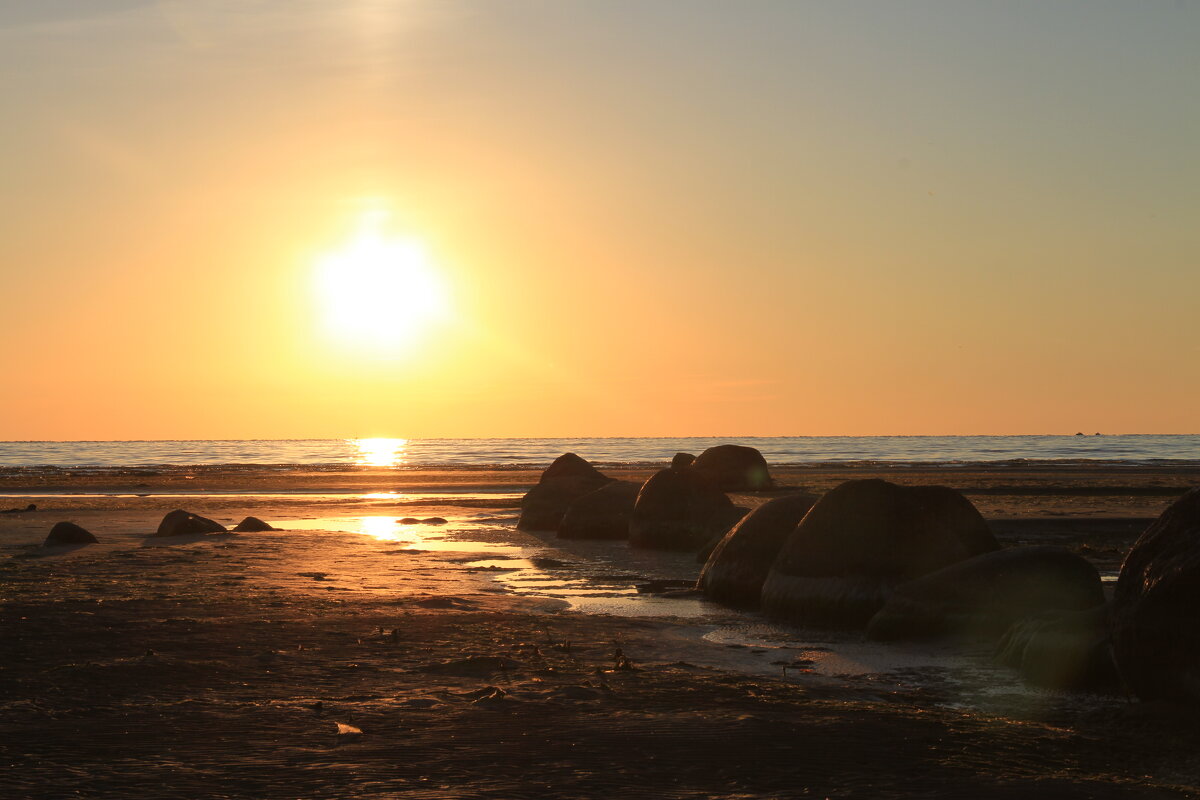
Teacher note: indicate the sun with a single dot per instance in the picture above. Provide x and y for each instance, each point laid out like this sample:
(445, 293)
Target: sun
(379, 293)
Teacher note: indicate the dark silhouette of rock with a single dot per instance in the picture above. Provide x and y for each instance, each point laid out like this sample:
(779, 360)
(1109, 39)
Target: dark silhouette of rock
(434, 521)
(861, 540)
(985, 595)
(183, 523)
(25, 510)
(569, 465)
(602, 514)
(738, 565)
(68, 533)
(682, 460)
(677, 509)
(1062, 650)
(734, 468)
(563, 482)
(1156, 640)
(409, 521)
(253, 525)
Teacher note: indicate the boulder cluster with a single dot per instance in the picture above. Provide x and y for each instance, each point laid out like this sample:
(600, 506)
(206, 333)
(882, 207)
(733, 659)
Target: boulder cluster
(915, 562)
(682, 507)
(175, 523)
(903, 563)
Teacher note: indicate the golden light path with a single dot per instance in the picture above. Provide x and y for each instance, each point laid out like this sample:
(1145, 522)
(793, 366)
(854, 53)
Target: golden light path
(380, 452)
(378, 293)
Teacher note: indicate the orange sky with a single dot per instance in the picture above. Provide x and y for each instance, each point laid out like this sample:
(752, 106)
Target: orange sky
(771, 218)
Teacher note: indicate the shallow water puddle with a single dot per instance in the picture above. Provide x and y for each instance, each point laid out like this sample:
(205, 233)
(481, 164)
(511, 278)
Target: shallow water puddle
(418, 536)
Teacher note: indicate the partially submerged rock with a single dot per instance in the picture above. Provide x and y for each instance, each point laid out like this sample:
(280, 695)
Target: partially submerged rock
(253, 525)
(737, 567)
(1063, 650)
(861, 540)
(677, 509)
(682, 460)
(563, 482)
(1156, 641)
(68, 533)
(734, 468)
(985, 595)
(184, 523)
(602, 514)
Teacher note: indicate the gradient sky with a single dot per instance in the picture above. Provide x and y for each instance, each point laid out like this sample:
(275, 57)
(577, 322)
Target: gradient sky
(653, 218)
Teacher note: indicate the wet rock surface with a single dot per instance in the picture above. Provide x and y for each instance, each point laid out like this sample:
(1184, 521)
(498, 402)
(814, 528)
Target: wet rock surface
(985, 595)
(602, 514)
(862, 539)
(1064, 650)
(736, 569)
(566, 480)
(677, 509)
(1156, 641)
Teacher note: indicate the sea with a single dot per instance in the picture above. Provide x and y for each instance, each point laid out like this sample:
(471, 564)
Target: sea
(1131, 449)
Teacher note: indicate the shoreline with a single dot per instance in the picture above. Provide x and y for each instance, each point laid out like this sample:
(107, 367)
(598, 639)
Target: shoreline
(223, 665)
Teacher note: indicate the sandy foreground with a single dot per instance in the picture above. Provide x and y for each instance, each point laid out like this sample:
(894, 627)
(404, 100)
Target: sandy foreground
(353, 656)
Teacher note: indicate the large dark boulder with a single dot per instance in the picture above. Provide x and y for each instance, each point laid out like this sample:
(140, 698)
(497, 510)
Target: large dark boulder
(253, 525)
(1156, 640)
(1062, 650)
(569, 465)
(677, 509)
(183, 523)
(985, 595)
(734, 468)
(68, 533)
(861, 540)
(602, 514)
(563, 482)
(737, 567)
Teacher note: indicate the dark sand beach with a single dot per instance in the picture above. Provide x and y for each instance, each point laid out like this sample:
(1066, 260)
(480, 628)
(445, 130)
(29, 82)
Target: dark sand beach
(353, 656)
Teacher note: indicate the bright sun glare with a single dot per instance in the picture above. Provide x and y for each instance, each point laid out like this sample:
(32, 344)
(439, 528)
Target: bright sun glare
(380, 452)
(379, 293)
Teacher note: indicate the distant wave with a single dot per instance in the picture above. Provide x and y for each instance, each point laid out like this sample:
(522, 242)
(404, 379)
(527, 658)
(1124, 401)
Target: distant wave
(322, 454)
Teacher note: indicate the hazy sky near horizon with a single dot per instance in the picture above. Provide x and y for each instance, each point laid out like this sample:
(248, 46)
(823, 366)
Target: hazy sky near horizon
(650, 218)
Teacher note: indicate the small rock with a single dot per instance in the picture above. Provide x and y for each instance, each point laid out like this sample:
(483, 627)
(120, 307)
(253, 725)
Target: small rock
(182, 523)
(253, 525)
(68, 533)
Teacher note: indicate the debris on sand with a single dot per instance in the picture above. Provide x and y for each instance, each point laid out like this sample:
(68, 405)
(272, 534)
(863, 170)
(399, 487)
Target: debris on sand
(472, 665)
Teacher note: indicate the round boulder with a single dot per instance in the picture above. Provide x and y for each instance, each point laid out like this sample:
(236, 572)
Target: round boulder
(602, 514)
(985, 595)
(676, 509)
(68, 533)
(1062, 650)
(253, 525)
(1155, 606)
(734, 468)
(567, 479)
(184, 523)
(737, 567)
(682, 460)
(862, 539)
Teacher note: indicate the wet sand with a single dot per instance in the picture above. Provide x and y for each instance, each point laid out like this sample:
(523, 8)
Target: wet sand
(478, 661)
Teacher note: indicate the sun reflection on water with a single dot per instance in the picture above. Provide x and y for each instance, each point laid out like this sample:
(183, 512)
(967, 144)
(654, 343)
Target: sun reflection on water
(380, 452)
(383, 528)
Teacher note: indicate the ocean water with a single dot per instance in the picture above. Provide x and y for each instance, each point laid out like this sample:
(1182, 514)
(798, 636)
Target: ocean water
(414, 453)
